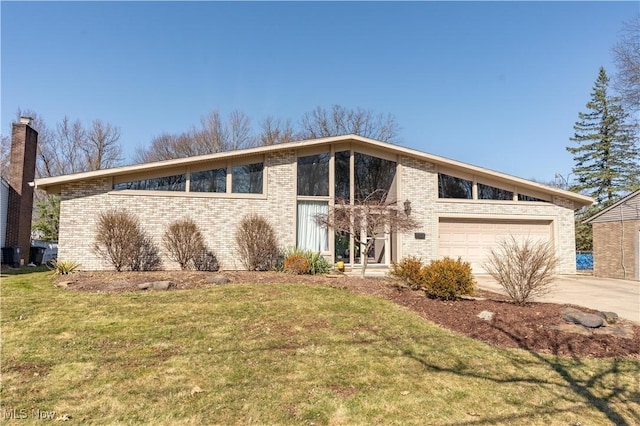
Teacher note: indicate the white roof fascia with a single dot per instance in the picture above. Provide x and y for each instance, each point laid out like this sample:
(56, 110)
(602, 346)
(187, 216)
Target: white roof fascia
(53, 182)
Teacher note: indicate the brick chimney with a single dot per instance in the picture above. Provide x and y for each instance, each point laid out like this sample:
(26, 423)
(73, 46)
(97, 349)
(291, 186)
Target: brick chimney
(22, 170)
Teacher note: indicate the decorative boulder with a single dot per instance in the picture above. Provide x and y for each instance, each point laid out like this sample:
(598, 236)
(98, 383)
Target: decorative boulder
(157, 285)
(219, 279)
(485, 315)
(578, 317)
(609, 317)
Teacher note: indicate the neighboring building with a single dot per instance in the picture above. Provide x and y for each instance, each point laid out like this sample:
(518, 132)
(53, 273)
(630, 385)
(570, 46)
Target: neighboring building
(4, 202)
(463, 210)
(616, 239)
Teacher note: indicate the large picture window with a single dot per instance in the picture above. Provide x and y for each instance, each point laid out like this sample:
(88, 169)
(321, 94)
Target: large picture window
(375, 178)
(209, 181)
(342, 167)
(247, 179)
(313, 175)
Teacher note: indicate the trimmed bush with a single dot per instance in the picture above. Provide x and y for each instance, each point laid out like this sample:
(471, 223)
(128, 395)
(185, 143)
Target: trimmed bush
(257, 243)
(524, 269)
(183, 240)
(297, 264)
(121, 241)
(447, 279)
(409, 270)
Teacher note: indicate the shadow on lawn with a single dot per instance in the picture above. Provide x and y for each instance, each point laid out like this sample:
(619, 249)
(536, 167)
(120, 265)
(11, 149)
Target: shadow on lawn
(578, 386)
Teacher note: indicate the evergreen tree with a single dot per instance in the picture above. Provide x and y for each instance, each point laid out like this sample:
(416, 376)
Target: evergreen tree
(606, 155)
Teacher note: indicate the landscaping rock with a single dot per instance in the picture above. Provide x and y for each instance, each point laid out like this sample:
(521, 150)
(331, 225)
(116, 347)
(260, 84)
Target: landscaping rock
(157, 285)
(219, 279)
(162, 285)
(609, 317)
(63, 284)
(578, 317)
(617, 330)
(486, 315)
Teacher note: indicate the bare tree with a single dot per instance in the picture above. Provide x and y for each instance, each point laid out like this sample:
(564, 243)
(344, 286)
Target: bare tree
(5, 155)
(240, 135)
(212, 135)
(275, 131)
(627, 59)
(165, 147)
(340, 121)
(101, 147)
(371, 216)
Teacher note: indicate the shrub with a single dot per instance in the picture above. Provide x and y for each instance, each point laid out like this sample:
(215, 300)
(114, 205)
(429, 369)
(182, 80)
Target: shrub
(447, 278)
(257, 243)
(317, 264)
(63, 267)
(409, 270)
(524, 269)
(119, 238)
(297, 263)
(183, 240)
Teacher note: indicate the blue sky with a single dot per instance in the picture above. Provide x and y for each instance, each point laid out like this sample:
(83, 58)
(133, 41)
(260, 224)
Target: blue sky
(495, 84)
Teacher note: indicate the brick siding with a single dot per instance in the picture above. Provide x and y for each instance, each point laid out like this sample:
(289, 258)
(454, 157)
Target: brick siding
(420, 186)
(616, 249)
(24, 142)
(218, 218)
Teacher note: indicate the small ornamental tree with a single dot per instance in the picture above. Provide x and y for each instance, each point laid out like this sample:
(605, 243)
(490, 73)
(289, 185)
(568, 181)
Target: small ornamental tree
(524, 269)
(366, 218)
(257, 243)
(184, 241)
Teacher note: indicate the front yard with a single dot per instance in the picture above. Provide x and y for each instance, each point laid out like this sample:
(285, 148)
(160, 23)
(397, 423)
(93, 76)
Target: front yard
(272, 353)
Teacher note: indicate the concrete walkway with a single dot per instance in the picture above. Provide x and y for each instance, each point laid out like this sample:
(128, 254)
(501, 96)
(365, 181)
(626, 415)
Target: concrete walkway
(603, 294)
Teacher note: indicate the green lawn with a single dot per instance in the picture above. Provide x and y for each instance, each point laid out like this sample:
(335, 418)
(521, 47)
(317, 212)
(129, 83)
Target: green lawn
(279, 354)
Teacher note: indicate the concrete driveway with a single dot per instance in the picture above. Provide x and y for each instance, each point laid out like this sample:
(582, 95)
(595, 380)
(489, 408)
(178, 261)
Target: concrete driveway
(603, 294)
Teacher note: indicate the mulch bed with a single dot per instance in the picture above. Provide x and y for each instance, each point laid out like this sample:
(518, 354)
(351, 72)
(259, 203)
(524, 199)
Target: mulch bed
(536, 327)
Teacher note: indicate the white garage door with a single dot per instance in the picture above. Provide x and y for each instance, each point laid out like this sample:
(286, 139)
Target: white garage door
(473, 239)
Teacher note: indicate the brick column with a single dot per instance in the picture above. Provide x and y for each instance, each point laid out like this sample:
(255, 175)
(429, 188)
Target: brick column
(24, 141)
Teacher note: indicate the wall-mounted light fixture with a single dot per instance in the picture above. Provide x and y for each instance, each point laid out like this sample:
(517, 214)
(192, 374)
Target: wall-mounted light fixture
(407, 207)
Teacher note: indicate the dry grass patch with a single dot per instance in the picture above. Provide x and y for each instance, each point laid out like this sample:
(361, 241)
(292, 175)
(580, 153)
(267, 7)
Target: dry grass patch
(281, 354)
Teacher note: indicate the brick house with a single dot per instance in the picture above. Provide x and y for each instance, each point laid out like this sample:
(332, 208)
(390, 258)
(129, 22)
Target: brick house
(463, 210)
(616, 239)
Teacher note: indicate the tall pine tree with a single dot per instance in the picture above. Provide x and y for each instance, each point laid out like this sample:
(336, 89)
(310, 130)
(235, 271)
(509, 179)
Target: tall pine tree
(606, 155)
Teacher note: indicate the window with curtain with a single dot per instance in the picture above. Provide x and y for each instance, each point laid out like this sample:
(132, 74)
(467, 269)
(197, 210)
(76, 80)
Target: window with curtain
(312, 236)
